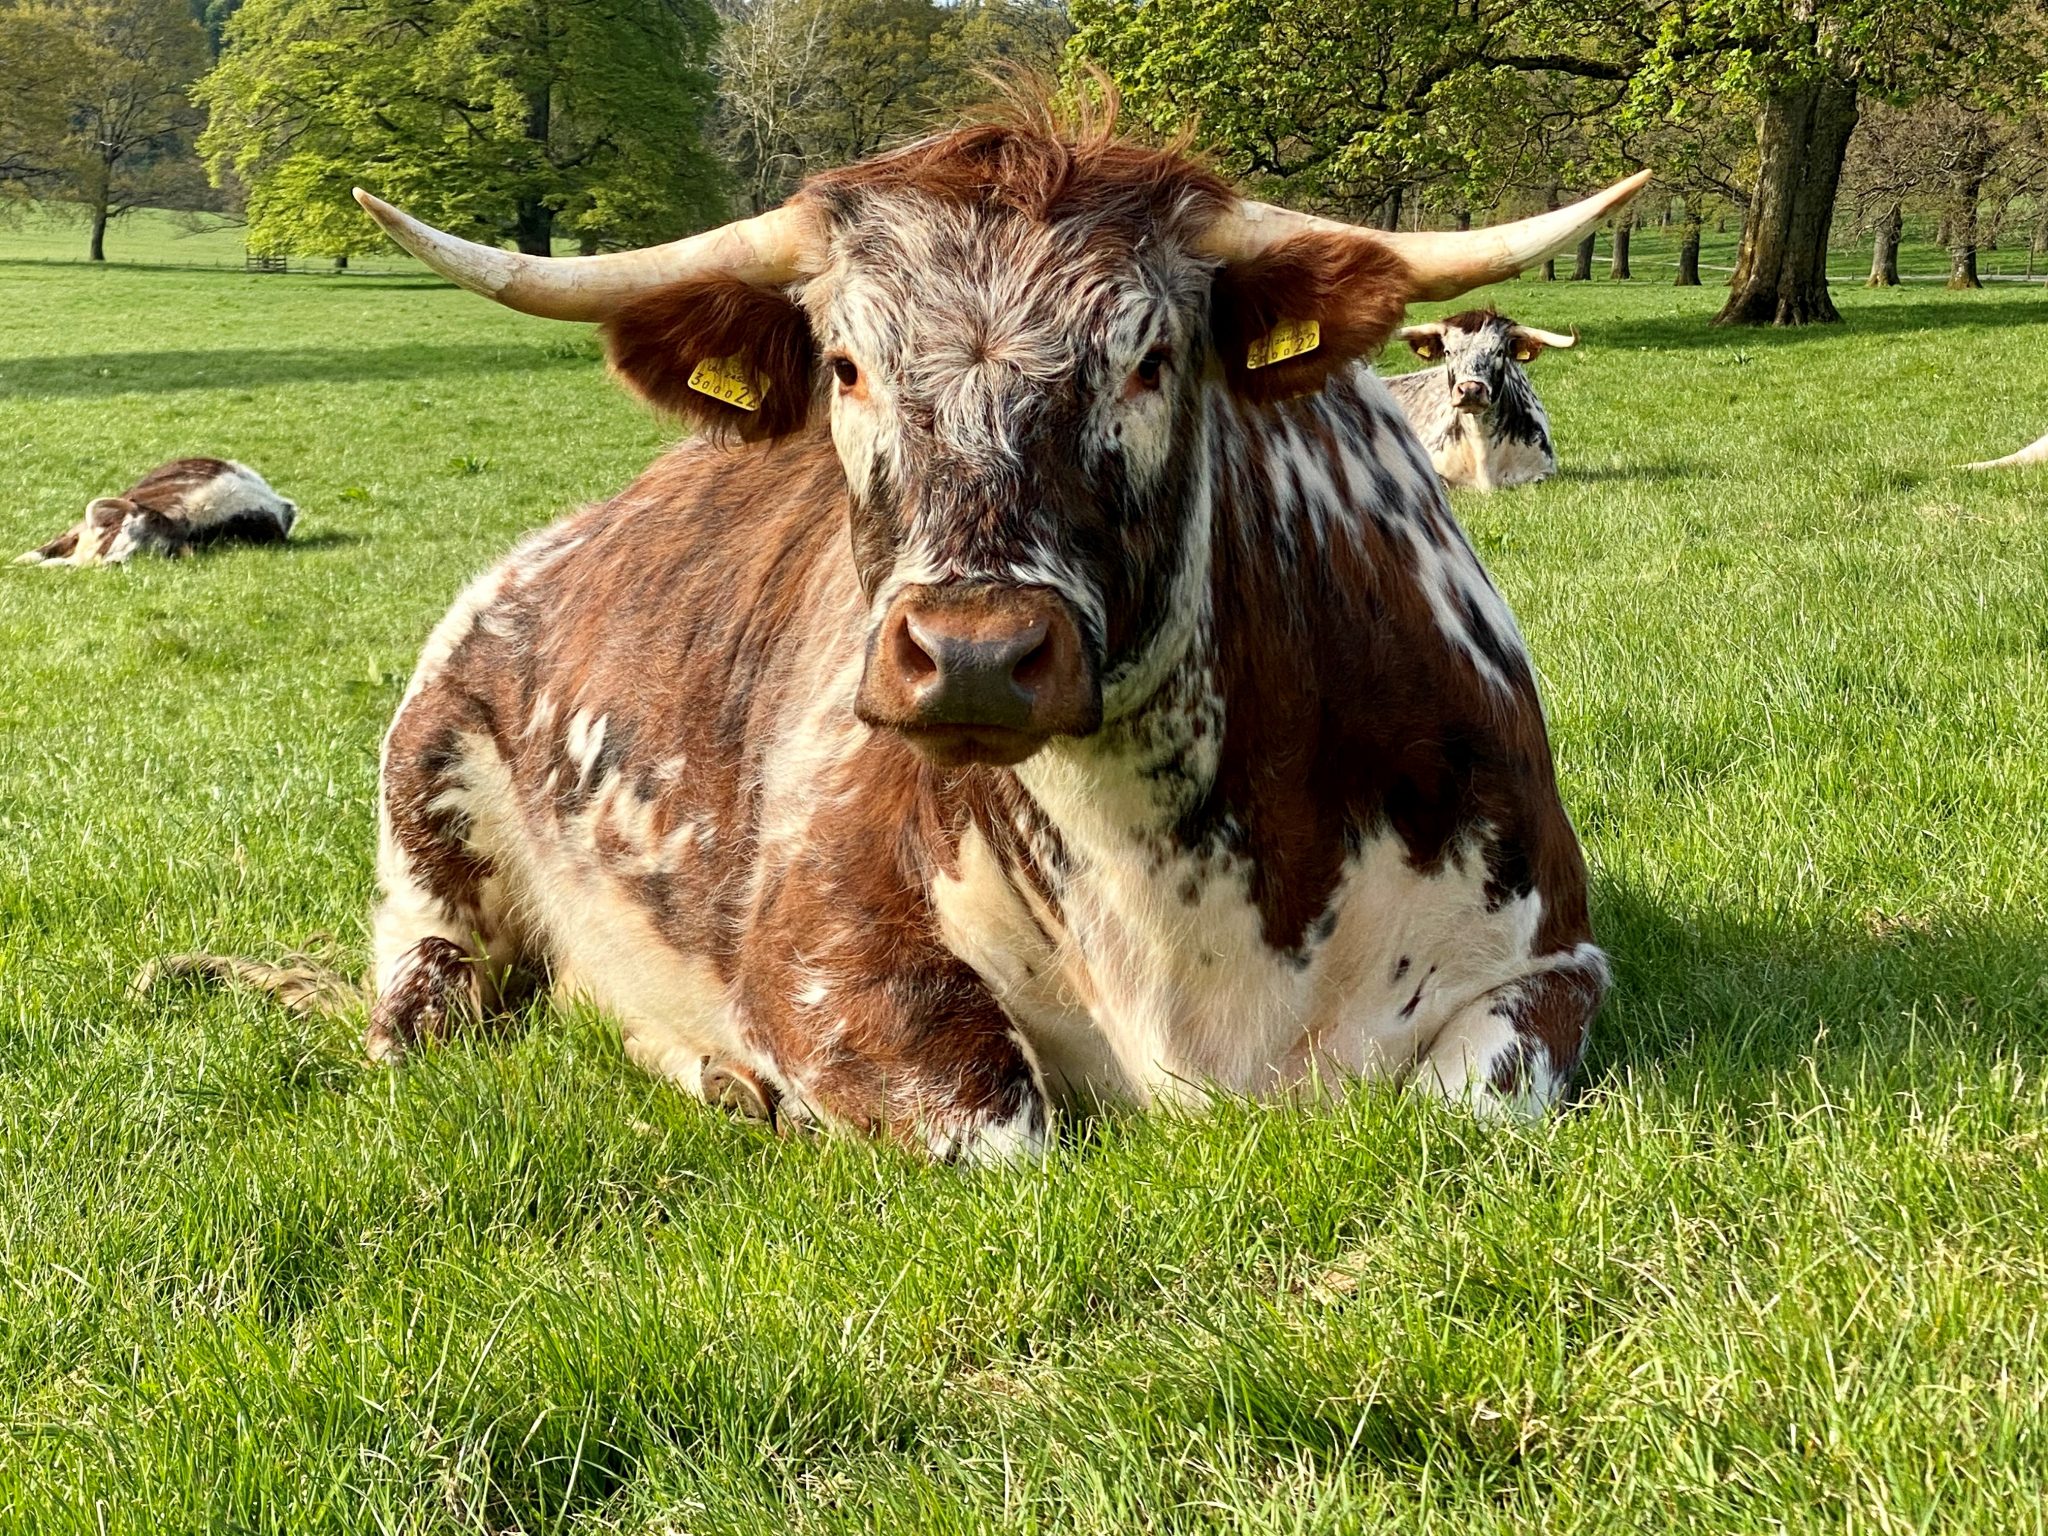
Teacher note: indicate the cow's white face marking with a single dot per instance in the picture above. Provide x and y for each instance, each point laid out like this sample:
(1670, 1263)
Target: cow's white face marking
(1009, 401)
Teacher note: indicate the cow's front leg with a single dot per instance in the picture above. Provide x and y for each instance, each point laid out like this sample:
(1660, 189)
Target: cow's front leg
(876, 1027)
(1516, 1047)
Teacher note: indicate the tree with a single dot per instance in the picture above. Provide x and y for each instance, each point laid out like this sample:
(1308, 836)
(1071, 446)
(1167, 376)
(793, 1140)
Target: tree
(810, 83)
(39, 60)
(95, 110)
(498, 119)
(1808, 65)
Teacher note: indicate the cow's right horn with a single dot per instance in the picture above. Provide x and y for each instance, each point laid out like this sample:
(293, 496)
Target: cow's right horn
(1441, 264)
(768, 249)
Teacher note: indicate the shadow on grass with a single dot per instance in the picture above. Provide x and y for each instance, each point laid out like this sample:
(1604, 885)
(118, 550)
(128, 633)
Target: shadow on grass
(118, 373)
(1739, 996)
(1693, 332)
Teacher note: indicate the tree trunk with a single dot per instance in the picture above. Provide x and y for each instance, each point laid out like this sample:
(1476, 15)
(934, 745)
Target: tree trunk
(341, 263)
(1550, 265)
(1884, 254)
(102, 194)
(1781, 270)
(533, 221)
(1689, 253)
(1582, 260)
(1618, 268)
(1962, 248)
(1464, 218)
(1390, 211)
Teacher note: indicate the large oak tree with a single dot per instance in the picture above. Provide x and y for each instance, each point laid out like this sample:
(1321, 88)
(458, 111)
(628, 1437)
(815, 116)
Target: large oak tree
(503, 120)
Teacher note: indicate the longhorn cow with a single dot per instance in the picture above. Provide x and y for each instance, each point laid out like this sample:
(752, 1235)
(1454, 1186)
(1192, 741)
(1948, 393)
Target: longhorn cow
(1050, 674)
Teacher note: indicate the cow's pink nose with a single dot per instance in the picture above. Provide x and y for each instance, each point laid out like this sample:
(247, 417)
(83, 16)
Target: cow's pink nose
(980, 673)
(1472, 394)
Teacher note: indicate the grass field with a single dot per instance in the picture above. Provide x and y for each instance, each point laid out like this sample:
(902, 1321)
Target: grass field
(1783, 1268)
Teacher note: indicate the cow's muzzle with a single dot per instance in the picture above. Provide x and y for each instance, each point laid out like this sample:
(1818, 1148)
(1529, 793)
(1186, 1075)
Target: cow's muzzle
(1471, 395)
(979, 673)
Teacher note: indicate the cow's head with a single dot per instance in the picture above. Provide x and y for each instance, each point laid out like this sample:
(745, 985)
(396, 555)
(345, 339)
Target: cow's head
(1477, 348)
(1012, 331)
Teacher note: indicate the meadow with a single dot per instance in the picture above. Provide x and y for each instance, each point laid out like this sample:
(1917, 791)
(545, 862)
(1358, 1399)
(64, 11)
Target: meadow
(1783, 1266)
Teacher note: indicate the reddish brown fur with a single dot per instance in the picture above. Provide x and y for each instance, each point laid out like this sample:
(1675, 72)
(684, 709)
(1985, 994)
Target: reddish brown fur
(1352, 290)
(657, 341)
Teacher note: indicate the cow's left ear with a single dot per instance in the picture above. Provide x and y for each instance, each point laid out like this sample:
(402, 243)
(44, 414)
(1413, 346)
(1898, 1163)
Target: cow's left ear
(732, 358)
(1286, 319)
(1530, 342)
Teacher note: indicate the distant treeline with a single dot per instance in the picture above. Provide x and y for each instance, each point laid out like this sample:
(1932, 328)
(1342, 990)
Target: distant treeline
(607, 123)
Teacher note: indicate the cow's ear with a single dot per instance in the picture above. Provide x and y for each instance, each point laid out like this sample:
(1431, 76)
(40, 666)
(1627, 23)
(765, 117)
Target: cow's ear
(1288, 318)
(1426, 341)
(733, 359)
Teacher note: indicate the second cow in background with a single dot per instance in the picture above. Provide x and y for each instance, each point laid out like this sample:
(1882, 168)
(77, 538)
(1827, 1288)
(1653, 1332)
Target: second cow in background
(1477, 413)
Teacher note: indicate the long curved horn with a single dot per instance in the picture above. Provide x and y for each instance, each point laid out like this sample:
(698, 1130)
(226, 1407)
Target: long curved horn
(768, 249)
(2033, 453)
(1550, 338)
(1441, 265)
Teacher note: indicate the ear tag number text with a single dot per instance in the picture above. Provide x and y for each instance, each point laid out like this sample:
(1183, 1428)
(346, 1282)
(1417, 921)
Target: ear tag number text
(727, 379)
(1290, 338)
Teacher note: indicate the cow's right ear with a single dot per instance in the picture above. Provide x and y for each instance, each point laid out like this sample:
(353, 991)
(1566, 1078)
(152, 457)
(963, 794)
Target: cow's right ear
(731, 358)
(1426, 340)
(1287, 318)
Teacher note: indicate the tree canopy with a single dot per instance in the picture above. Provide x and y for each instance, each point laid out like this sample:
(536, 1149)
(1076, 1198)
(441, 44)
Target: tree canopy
(499, 119)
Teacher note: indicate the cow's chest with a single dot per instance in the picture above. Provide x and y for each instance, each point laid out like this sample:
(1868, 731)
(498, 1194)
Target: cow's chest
(1150, 977)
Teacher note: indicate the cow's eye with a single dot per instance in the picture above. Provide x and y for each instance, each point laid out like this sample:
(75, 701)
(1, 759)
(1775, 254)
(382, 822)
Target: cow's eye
(844, 370)
(1149, 368)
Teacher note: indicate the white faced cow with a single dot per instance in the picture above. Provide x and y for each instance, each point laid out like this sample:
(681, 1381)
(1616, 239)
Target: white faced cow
(1075, 689)
(1476, 411)
(176, 508)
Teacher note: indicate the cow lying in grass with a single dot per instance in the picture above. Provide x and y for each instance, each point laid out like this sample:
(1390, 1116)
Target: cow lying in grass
(1476, 411)
(174, 509)
(1076, 688)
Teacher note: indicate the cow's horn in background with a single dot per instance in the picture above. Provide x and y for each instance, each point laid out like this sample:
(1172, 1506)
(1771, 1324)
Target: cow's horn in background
(767, 250)
(1441, 264)
(2033, 453)
(1549, 338)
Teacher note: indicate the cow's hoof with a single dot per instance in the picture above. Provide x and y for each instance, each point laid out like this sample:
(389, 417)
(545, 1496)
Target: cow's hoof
(738, 1092)
(988, 1141)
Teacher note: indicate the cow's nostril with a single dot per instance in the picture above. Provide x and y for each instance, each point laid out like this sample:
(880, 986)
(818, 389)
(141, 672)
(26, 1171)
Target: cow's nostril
(1034, 665)
(913, 652)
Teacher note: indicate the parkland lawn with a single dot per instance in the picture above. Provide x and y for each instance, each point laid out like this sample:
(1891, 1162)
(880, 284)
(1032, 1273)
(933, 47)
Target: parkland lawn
(1783, 1267)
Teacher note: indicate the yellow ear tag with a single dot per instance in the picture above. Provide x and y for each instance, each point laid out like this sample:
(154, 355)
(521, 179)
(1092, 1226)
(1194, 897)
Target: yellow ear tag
(727, 379)
(1290, 338)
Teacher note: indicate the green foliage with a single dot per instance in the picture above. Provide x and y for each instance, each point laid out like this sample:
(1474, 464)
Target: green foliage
(94, 107)
(1783, 1271)
(498, 119)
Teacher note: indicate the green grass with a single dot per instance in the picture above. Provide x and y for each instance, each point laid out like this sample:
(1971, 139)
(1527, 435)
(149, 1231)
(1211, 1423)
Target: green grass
(1783, 1269)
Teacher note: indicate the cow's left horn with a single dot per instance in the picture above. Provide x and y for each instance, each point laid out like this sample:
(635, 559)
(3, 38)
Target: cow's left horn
(1441, 264)
(766, 249)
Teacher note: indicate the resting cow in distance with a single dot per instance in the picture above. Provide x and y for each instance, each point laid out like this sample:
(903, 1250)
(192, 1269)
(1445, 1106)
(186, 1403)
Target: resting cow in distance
(1476, 411)
(174, 509)
(1074, 686)
(2033, 453)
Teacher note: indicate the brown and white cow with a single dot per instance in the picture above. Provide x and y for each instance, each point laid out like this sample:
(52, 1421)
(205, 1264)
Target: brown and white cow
(1043, 705)
(177, 507)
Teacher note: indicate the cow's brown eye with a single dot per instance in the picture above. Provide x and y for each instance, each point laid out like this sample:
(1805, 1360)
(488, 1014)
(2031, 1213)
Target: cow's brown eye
(844, 370)
(1150, 367)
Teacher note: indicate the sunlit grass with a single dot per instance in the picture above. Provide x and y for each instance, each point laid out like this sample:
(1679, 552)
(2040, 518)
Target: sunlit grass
(1782, 1268)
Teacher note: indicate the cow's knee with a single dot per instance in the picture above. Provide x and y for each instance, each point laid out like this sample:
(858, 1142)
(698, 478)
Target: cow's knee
(1514, 1050)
